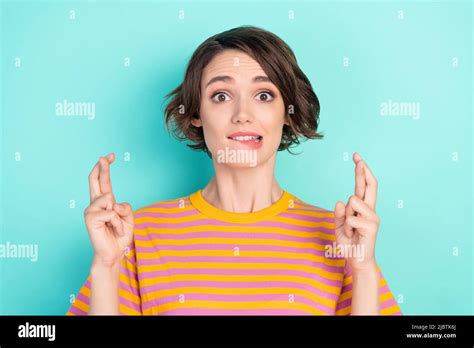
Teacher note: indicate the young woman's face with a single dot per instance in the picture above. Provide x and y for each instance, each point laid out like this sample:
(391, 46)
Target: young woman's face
(237, 97)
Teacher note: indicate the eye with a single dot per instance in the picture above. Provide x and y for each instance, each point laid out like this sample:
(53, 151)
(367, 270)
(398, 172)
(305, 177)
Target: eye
(221, 97)
(267, 96)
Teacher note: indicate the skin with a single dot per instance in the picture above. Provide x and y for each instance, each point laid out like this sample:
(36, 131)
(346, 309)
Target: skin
(357, 225)
(237, 103)
(239, 187)
(110, 228)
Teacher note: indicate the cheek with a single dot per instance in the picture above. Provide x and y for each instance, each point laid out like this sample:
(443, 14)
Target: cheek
(273, 125)
(215, 118)
(214, 126)
(275, 118)
(212, 111)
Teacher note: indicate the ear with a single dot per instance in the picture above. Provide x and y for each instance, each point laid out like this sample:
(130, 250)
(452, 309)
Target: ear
(196, 122)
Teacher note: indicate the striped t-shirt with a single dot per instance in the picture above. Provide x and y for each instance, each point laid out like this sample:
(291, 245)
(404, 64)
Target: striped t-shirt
(188, 257)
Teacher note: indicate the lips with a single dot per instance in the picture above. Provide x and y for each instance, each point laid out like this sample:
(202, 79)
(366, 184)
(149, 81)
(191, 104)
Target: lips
(253, 140)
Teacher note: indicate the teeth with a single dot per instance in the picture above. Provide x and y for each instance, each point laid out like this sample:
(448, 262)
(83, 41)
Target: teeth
(245, 138)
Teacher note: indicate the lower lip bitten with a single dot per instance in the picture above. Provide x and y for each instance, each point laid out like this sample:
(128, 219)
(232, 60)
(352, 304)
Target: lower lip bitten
(252, 143)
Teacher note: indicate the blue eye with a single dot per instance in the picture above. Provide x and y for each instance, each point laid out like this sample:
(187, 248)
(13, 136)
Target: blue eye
(218, 95)
(268, 94)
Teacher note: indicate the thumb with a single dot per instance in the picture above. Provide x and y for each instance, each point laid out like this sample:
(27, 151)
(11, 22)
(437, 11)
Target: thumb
(340, 217)
(339, 211)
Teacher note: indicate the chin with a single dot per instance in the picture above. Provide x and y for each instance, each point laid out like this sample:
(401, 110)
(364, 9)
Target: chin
(239, 165)
(236, 156)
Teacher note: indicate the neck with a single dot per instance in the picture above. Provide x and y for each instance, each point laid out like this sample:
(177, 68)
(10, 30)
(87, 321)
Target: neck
(243, 189)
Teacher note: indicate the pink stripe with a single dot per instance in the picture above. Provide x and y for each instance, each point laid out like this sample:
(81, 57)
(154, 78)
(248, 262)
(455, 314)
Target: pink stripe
(388, 303)
(129, 288)
(167, 215)
(76, 311)
(131, 260)
(237, 298)
(234, 259)
(246, 272)
(304, 209)
(129, 304)
(346, 288)
(210, 222)
(200, 222)
(126, 271)
(83, 298)
(274, 248)
(232, 235)
(344, 304)
(295, 227)
(304, 204)
(230, 285)
(306, 217)
(203, 311)
(172, 203)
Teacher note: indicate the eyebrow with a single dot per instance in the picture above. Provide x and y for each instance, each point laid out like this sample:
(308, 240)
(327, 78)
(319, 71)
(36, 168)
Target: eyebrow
(226, 78)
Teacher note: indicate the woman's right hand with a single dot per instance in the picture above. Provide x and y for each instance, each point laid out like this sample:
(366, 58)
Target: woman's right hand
(110, 225)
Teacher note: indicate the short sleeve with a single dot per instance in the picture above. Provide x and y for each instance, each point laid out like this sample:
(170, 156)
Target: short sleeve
(129, 294)
(387, 303)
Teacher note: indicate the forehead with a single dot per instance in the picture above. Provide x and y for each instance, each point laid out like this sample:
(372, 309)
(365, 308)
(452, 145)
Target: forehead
(234, 62)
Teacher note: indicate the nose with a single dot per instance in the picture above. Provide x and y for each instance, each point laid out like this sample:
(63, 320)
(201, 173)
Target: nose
(242, 113)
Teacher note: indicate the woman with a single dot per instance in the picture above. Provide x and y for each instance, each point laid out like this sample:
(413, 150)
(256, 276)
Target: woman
(241, 245)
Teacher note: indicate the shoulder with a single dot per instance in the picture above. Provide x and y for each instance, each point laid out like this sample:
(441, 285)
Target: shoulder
(164, 206)
(314, 217)
(305, 208)
(317, 220)
(164, 215)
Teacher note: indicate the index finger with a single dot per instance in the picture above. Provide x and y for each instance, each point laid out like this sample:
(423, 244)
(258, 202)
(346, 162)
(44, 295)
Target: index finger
(104, 174)
(94, 187)
(359, 190)
(371, 188)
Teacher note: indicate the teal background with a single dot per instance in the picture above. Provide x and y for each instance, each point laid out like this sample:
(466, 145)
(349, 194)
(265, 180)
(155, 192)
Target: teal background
(407, 59)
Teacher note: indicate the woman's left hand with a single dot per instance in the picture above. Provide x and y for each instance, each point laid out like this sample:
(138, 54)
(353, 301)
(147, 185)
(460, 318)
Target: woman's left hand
(357, 222)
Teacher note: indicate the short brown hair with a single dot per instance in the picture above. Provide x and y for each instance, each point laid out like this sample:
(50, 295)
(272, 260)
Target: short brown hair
(279, 63)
